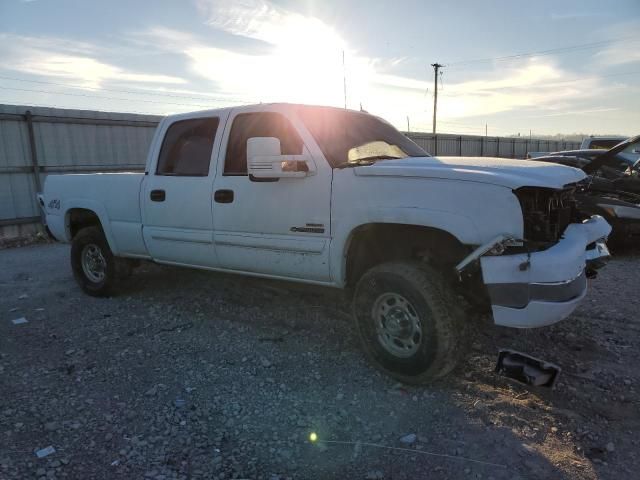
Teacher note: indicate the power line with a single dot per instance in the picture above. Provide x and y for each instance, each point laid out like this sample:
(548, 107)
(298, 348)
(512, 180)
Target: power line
(450, 122)
(549, 84)
(114, 98)
(42, 105)
(552, 51)
(113, 90)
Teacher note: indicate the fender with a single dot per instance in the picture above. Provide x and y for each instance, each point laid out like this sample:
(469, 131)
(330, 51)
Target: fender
(459, 226)
(95, 207)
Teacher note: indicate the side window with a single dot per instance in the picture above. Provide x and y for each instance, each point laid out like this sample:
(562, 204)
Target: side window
(186, 148)
(263, 124)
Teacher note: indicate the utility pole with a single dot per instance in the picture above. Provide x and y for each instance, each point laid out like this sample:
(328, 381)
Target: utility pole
(436, 67)
(486, 127)
(408, 127)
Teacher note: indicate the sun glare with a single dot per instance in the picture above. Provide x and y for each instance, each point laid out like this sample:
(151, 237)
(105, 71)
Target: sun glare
(311, 54)
(304, 62)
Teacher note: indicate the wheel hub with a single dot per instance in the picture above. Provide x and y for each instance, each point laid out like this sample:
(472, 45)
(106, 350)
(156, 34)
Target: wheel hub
(398, 322)
(398, 326)
(94, 265)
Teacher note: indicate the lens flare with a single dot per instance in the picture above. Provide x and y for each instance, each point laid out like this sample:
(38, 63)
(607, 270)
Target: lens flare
(313, 437)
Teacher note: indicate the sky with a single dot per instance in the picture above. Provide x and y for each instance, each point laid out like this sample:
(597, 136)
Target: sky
(510, 67)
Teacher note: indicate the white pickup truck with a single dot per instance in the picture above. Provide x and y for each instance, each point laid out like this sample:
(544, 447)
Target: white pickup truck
(340, 198)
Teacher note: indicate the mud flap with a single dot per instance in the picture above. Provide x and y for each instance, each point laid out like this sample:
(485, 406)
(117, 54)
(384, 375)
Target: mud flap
(527, 369)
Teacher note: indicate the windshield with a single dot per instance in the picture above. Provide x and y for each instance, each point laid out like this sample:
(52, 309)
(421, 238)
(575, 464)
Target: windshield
(347, 137)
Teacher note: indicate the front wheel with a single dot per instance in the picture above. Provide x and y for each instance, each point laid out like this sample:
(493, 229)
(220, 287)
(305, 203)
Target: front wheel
(405, 316)
(93, 264)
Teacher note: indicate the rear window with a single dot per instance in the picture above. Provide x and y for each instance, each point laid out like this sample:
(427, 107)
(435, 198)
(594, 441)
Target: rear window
(604, 144)
(186, 148)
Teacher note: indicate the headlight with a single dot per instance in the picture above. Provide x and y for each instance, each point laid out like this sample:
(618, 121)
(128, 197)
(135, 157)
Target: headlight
(621, 211)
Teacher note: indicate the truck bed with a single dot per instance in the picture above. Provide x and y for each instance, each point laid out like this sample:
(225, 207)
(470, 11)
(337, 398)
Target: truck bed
(113, 196)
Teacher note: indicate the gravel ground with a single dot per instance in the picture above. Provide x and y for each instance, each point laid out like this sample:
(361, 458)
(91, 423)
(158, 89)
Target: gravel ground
(190, 374)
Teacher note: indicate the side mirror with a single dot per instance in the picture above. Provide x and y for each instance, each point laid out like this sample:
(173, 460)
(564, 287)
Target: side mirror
(265, 160)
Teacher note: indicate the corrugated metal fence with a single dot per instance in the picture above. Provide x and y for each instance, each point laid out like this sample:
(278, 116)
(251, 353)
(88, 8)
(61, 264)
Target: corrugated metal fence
(445, 144)
(36, 141)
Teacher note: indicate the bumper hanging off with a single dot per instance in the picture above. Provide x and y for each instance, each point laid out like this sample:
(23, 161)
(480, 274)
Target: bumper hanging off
(542, 288)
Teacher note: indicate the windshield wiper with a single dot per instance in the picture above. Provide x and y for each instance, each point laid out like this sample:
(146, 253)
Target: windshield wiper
(359, 163)
(365, 161)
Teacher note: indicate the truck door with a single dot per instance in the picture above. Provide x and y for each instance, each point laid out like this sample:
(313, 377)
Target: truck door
(279, 227)
(177, 193)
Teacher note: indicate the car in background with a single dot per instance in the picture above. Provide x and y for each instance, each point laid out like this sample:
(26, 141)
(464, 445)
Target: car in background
(601, 143)
(619, 163)
(612, 188)
(612, 167)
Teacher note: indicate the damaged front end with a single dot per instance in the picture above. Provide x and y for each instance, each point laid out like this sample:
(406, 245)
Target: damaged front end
(546, 213)
(540, 279)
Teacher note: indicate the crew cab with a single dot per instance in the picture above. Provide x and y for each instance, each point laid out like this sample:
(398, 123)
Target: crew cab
(340, 198)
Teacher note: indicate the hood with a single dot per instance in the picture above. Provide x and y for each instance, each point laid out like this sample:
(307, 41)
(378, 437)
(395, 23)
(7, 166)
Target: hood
(497, 171)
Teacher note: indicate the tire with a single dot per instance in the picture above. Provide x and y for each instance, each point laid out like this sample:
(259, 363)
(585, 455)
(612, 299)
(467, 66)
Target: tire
(406, 317)
(98, 276)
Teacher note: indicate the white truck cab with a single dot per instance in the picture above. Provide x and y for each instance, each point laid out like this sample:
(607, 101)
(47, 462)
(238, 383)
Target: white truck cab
(341, 198)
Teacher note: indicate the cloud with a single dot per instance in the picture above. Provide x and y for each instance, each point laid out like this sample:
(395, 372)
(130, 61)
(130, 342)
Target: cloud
(625, 49)
(586, 111)
(88, 71)
(539, 84)
(267, 52)
(303, 61)
(261, 20)
(542, 85)
(296, 46)
(622, 53)
(70, 60)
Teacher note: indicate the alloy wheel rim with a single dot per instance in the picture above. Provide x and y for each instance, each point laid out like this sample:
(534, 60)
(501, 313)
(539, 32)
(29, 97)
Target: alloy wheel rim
(93, 263)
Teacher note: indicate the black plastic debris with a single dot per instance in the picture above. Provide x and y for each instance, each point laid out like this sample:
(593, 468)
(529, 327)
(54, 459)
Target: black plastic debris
(527, 369)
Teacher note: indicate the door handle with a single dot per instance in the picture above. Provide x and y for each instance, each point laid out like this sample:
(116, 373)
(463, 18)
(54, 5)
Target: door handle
(157, 195)
(223, 196)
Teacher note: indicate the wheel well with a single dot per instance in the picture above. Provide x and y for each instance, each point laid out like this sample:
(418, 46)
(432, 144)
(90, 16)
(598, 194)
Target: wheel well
(79, 218)
(372, 244)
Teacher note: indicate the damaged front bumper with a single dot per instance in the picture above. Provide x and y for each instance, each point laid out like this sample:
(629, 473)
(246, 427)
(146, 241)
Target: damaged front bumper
(542, 288)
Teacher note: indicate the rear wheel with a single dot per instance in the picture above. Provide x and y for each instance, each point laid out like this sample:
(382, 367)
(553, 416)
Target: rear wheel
(405, 316)
(93, 263)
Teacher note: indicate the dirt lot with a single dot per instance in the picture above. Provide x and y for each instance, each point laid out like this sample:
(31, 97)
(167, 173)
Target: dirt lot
(189, 374)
